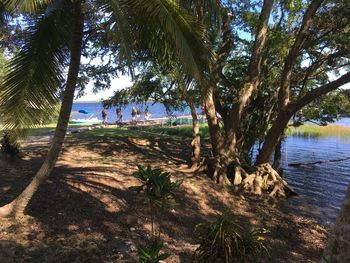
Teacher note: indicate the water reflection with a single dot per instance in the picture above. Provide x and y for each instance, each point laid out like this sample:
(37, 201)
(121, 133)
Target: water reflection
(321, 187)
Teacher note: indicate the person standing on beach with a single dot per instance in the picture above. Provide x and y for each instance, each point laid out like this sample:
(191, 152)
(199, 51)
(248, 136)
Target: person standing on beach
(147, 114)
(104, 116)
(138, 114)
(119, 116)
(133, 114)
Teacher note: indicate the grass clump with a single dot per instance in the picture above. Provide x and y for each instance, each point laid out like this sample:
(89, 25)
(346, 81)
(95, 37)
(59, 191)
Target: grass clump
(229, 239)
(311, 130)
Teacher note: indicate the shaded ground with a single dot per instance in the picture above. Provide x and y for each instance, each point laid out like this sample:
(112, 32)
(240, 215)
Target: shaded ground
(85, 211)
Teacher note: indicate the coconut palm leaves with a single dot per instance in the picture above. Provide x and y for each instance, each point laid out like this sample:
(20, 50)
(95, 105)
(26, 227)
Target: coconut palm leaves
(26, 5)
(29, 93)
(161, 30)
(173, 29)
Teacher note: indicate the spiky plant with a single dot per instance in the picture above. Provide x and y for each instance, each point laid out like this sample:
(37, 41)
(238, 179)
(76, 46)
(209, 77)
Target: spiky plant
(151, 254)
(227, 238)
(157, 188)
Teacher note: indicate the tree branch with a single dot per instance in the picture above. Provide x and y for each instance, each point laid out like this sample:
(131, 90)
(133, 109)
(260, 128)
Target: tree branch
(315, 93)
(257, 57)
(294, 52)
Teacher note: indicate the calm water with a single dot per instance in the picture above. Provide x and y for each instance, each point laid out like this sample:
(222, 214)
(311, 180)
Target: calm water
(157, 110)
(321, 187)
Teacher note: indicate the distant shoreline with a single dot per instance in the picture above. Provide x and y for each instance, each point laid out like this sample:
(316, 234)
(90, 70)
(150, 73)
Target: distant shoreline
(87, 101)
(99, 101)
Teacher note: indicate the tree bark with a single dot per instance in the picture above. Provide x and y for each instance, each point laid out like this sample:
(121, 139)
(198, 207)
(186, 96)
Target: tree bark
(277, 156)
(17, 206)
(255, 61)
(213, 123)
(196, 139)
(338, 246)
(272, 137)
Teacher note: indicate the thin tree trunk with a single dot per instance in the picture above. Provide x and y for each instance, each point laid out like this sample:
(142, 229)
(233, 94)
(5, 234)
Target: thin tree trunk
(338, 246)
(17, 206)
(196, 139)
(213, 123)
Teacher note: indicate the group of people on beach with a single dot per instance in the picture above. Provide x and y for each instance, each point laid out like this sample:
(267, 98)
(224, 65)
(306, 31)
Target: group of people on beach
(135, 115)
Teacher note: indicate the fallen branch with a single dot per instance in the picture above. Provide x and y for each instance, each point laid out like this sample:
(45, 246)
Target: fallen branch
(318, 162)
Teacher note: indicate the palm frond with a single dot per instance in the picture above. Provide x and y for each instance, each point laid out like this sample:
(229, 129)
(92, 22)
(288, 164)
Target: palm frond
(26, 5)
(169, 33)
(29, 93)
(121, 30)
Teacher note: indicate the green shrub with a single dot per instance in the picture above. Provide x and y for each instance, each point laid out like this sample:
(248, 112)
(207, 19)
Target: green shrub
(9, 147)
(151, 254)
(228, 239)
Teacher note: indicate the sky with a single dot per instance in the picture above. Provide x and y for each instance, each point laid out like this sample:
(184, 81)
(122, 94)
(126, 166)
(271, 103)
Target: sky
(117, 83)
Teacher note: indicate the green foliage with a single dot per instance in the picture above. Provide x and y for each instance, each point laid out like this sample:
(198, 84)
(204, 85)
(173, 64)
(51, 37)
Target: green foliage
(159, 191)
(151, 254)
(8, 146)
(157, 187)
(228, 239)
(326, 108)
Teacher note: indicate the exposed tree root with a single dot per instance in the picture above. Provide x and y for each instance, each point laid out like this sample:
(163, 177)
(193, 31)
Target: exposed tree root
(217, 171)
(264, 179)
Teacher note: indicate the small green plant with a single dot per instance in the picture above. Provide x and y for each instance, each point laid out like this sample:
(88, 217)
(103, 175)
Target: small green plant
(9, 147)
(151, 254)
(158, 189)
(228, 239)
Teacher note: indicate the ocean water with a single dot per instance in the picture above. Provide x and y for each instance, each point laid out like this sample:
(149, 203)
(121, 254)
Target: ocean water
(157, 110)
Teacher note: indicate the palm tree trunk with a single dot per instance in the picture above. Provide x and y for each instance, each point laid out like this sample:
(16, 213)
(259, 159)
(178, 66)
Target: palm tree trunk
(338, 246)
(17, 206)
(196, 139)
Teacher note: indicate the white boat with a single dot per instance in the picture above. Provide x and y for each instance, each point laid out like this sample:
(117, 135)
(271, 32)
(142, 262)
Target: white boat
(85, 121)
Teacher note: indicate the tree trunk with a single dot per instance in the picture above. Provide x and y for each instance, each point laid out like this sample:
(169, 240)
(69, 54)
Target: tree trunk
(213, 123)
(277, 156)
(273, 136)
(17, 206)
(338, 246)
(196, 139)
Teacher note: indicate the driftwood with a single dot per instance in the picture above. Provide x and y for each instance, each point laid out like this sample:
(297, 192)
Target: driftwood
(318, 162)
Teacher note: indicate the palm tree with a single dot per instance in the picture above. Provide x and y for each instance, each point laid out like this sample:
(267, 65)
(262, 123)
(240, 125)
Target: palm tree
(160, 28)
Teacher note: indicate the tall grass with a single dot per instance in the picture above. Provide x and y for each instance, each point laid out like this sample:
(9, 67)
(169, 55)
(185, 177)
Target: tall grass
(307, 130)
(312, 130)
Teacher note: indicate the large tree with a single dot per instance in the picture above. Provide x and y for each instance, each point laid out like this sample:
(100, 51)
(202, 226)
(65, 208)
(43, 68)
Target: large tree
(58, 33)
(271, 61)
